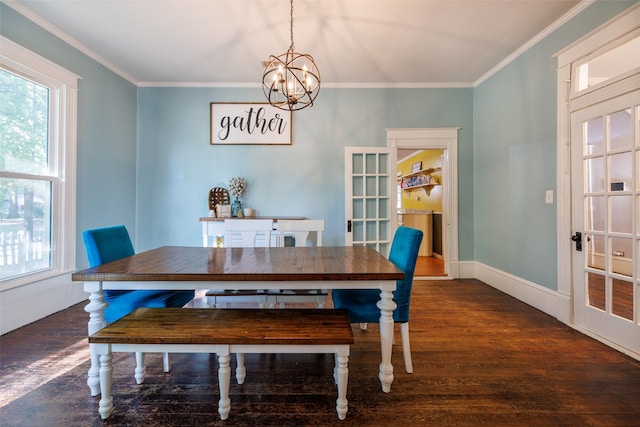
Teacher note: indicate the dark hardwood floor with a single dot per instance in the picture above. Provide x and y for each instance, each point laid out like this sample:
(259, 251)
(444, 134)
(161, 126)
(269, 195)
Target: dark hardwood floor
(481, 358)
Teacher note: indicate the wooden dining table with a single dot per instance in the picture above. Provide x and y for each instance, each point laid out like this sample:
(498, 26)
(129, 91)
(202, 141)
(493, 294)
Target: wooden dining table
(181, 268)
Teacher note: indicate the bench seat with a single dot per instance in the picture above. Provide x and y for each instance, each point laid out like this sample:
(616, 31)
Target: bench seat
(224, 332)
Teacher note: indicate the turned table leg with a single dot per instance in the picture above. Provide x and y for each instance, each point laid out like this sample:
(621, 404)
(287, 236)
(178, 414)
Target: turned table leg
(386, 306)
(342, 375)
(95, 308)
(224, 380)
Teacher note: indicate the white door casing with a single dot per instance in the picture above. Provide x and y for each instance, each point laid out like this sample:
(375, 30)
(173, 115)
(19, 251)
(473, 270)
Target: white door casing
(445, 139)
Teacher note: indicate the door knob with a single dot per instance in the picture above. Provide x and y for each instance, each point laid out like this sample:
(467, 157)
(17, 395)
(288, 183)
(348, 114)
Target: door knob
(578, 239)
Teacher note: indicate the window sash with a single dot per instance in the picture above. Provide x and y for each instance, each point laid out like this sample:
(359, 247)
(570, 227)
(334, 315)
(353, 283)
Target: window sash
(61, 171)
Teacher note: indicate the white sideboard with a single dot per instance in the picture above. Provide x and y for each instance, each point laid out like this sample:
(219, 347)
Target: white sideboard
(213, 230)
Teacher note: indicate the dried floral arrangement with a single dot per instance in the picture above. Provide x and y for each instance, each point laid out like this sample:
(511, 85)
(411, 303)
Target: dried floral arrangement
(237, 186)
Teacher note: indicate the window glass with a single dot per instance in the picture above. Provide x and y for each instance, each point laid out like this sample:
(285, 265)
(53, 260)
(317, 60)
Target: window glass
(25, 201)
(608, 65)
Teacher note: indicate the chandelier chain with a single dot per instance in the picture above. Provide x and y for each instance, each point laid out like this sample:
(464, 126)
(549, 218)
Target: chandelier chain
(292, 47)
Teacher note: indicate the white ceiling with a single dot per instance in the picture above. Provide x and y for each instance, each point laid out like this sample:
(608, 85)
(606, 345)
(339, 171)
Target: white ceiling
(359, 43)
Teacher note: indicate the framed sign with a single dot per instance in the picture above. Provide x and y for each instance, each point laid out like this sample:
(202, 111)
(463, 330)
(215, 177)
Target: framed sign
(416, 167)
(249, 123)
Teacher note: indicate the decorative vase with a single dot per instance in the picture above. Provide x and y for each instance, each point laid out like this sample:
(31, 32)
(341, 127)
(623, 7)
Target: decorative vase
(236, 207)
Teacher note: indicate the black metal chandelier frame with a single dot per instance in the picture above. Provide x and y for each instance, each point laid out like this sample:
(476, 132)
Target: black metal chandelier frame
(291, 81)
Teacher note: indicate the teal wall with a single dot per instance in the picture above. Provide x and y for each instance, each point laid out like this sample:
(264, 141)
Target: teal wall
(107, 121)
(515, 155)
(144, 158)
(177, 166)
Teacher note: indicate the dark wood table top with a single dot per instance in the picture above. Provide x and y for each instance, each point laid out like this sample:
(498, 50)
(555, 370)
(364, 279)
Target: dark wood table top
(180, 263)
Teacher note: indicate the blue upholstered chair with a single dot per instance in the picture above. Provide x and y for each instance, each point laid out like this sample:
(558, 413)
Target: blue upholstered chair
(112, 243)
(361, 304)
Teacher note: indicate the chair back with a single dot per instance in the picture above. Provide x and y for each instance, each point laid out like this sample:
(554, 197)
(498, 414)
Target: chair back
(300, 229)
(404, 255)
(247, 233)
(107, 244)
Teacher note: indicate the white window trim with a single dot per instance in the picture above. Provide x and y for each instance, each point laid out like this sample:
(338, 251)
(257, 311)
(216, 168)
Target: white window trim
(608, 34)
(64, 88)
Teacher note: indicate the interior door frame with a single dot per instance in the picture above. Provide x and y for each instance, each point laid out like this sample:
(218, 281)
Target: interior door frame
(445, 139)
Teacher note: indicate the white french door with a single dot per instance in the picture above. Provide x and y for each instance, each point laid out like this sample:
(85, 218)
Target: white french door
(605, 165)
(370, 198)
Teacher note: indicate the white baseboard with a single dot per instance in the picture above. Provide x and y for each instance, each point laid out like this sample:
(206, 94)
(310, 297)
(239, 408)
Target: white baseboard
(22, 305)
(544, 299)
(466, 270)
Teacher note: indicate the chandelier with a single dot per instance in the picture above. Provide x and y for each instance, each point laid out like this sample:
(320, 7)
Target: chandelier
(291, 81)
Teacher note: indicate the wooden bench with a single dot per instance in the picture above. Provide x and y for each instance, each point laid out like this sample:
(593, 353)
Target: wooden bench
(226, 331)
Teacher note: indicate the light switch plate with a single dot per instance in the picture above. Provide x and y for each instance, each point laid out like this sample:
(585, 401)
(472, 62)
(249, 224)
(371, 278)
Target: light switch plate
(548, 197)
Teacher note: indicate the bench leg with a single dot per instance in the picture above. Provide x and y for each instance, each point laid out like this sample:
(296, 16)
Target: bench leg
(106, 379)
(241, 371)
(341, 374)
(165, 362)
(224, 379)
(141, 370)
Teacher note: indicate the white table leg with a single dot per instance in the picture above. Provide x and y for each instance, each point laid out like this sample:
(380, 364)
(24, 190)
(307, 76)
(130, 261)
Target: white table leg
(342, 376)
(95, 308)
(106, 379)
(224, 380)
(386, 306)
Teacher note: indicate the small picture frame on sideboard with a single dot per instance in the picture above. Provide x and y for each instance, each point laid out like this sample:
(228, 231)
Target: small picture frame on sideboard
(224, 211)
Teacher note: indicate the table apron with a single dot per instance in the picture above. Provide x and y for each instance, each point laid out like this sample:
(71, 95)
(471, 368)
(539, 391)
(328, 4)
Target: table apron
(387, 285)
(224, 348)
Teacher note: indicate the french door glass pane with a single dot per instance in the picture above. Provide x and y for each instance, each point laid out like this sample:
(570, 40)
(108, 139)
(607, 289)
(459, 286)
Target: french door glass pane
(372, 163)
(622, 298)
(594, 136)
(621, 170)
(595, 212)
(621, 130)
(382, 164)
(358, 186)
(595, 175)
(595, 251)
(372, 186)
(358, 209)
(621, 209)
(356, 163)
(620, 261)
(596, 291)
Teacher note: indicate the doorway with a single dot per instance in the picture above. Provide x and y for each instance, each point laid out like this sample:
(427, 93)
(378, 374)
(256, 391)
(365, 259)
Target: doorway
(419, 202)
(429, 178)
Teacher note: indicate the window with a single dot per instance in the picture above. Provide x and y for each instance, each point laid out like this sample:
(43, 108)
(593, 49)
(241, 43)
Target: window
(600, 68)
(37, 167)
